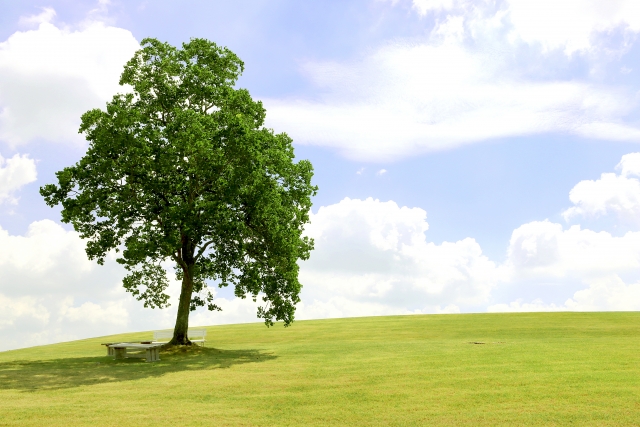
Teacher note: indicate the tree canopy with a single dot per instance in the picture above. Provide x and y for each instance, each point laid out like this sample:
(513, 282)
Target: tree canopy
(181, 168)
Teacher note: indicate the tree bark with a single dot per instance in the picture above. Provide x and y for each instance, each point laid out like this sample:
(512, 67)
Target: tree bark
(182, 320)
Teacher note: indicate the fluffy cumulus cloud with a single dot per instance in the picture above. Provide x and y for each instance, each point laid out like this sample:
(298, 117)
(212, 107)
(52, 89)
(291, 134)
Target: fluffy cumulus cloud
(613, 193)
(50, 75)
(545, 249)
(50, 292)
(461, 85)
(606, 267)
(372, 257)
(15, 172)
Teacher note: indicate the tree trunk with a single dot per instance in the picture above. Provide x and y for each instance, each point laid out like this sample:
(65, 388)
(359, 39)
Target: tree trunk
(182, 320)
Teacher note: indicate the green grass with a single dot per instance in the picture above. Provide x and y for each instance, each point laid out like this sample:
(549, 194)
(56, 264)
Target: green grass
(534, 369)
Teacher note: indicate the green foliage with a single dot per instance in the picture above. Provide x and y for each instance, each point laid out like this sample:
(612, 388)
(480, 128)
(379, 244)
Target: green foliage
(181, 168)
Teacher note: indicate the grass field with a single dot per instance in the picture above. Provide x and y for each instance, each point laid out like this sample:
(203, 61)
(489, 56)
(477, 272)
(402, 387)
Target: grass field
(533, 369)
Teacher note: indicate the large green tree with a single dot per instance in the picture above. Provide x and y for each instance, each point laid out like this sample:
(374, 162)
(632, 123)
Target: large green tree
(181, 168)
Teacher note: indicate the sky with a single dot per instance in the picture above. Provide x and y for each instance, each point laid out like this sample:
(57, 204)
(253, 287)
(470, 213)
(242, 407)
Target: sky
(471, 156)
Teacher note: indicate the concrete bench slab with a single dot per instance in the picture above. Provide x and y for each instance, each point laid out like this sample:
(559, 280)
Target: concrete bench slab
(151, 350)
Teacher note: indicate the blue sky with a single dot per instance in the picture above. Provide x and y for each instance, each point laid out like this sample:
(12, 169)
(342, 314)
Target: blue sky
(469, 154)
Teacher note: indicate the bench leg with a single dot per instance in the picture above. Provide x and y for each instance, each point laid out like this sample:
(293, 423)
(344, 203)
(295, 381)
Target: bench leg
(153, 354)
(120, 353)
(110, 351)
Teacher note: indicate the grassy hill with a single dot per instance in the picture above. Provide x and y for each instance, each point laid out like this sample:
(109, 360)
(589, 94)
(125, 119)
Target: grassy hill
(532, 369)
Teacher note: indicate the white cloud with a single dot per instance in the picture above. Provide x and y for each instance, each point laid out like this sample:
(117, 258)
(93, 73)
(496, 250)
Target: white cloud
(50, 292)
(46, 15)
(15, 173)
(235, 310)
(372, 257)
(411, 98)
(608, 130)
(629, 165)
(109, 313)
(571, 25)
(543, 252)
(381, 172)
(520, 306)
(543, 249)
(449, 309)
(13, 309)
(608, 267)
(468, 82)
(610, 193)
(47, 252)
(340, 306)
(425, 6)
(609, 293)
(51, 75)
(619, 194)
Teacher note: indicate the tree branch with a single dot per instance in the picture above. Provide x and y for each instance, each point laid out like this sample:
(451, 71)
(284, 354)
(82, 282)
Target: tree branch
(177, 258)
(202, 249)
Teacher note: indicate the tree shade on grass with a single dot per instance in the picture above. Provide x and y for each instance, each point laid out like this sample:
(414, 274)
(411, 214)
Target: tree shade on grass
(532, 369)
(182, 169)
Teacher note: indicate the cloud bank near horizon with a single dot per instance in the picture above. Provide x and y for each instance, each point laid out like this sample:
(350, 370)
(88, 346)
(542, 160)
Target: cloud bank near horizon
(372, 257)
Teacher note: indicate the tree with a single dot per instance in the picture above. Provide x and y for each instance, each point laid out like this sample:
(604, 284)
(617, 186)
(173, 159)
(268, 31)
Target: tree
(181, 168)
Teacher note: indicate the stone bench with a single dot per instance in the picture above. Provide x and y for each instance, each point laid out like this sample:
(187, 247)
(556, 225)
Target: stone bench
(111, 351)
(119, 350)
